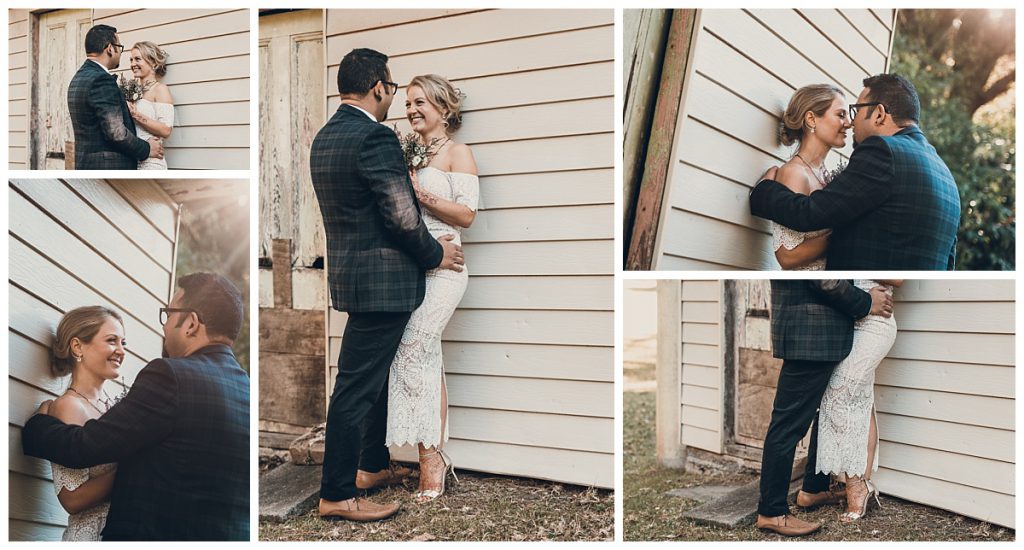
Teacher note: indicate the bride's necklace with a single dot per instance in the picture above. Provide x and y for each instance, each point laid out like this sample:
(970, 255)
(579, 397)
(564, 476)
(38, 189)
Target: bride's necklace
(437, 149)
(89, 401)
(146, 86)
(820, 178)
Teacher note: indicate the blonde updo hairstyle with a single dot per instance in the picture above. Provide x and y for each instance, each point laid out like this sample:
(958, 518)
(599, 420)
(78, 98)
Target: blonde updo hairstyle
(153, 55)
(815, 98)
(82, 323)
(441, 94)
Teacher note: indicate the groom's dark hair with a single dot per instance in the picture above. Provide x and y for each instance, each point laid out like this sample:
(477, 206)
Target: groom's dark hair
(217, 301)
(897, 94)
(99, 37)
(360, 70)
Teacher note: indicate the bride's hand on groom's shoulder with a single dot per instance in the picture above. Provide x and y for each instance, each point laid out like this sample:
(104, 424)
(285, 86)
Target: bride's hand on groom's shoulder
(44, 407)
(768, 174)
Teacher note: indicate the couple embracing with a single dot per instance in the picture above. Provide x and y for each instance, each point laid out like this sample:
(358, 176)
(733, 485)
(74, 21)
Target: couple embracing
(396, 266)
(120, 127)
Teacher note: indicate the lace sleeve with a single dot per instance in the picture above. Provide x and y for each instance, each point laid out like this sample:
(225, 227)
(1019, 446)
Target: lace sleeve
(784, 236)
(68, 478)
(466, 190)
(165, 113)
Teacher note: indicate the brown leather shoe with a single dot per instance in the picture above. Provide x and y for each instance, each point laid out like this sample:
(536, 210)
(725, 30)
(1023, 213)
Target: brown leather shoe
(810, 501)
(788, 525)
(356, 509)
(392, 475)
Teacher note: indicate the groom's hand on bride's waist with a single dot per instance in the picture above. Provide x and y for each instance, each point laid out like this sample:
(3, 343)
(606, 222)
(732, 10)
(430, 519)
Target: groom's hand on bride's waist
(156, 148)
(44, 407)
(453, 258)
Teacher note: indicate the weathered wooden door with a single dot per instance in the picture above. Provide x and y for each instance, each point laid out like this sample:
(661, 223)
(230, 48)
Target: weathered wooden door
(757, 372)
(61, 51)
(292, 104)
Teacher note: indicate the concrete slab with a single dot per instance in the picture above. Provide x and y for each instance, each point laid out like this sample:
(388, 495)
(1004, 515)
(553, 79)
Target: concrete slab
(288, 491)
(702, 493)
(737, 507)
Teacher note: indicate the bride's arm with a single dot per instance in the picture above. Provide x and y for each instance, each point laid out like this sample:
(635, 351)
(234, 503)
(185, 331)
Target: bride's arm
(445, 210)
(97, 489)
(891, 282)
(154, 126)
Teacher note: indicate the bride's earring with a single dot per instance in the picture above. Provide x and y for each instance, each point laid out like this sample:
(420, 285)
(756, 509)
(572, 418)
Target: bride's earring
(78, 358)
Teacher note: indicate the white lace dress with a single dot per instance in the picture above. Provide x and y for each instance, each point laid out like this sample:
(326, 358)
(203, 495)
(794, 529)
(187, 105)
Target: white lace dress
(88, 524)
(845, 414)
(417, 373)
(789, 238)
(164, 112)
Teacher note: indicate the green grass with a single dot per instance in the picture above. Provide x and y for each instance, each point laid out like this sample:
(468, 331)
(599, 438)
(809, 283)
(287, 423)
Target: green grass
(650, 514)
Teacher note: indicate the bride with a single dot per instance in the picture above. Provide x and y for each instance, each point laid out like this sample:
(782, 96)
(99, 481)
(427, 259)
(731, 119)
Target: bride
(154, 112)
(847, 431)
(816, 119)
(448, 192)
(89, 346)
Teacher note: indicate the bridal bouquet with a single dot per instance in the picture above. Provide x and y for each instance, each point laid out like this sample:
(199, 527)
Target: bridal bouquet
(831, 174)
(130, 88)
(417, 155)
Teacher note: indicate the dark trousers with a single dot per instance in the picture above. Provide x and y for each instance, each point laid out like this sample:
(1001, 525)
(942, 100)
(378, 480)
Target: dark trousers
(358, 413)
(801, 385)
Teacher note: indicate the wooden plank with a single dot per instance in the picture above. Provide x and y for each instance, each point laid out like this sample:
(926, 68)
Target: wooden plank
(547, 189)
(29, 361)
(223, 113)
(966, 378)
(105, 199)
(700, 375)
(989, 349)
(699, 333)
(28, 530)
(877, 34)
(708, 440)
(556, 431)
(541, 258)
(528, 361)
(701, 312)
(179, 158)
(840, 32)
(574, 467)
(699, 354)
(590, 293)
(977, 503)
(701, 291)
(651, 195)
(552, 223)
(151, 202)
(956, 290)
(698, 396)
(570, 397)
(236, 89)
(960, 317)
(282, 256)
(198, 48)
(97, 231)
(733, 245)
(36, 501)
(508, 56)
(700, 192)
(672, 262)
(545, 155)
(291, 388)
(584, 328)
(990, 475)
(962, 439)
(975, 410)
(886, 16)
(350, 20)
(209, 137)
(698, 417)
(291, 331)
(669, 449)
(168, 27)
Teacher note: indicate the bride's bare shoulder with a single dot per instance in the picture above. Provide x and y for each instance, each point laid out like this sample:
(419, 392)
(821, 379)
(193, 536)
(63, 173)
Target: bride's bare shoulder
(69, 410)
(794, 177)
(162, 93)
(462, 159)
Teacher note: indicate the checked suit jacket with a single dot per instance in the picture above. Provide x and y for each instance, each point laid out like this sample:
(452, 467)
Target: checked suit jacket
(180, 439)
(813, 320)
(894, 207)
(378, 247)
(104, 130)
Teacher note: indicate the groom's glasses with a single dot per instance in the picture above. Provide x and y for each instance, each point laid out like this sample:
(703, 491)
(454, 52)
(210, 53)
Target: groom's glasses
(856, 106)
(120, 47)
(392, 86)
(165, 310)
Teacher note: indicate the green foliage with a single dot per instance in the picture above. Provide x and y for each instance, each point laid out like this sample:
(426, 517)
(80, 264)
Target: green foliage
(979, 149)
(214, 237)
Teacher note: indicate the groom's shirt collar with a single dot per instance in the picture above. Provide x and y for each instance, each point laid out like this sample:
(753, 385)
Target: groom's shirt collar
(364, 111)
(100, 64)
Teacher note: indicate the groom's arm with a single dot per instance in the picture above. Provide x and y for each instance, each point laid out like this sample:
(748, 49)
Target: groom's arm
(951, 262)
(143, 418)
(861, 187)
(106, 100)
(380, 162)
(843, 295)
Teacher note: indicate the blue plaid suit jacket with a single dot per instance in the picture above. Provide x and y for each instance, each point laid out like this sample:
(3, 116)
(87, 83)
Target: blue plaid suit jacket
(104, 130)
(813, 320)
(378, 247)
(180, 439)
(895, 207)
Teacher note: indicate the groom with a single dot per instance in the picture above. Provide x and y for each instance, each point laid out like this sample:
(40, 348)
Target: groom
(180, 437)
(894, 207)
(378, 251)
(104, 130)
(812, 331)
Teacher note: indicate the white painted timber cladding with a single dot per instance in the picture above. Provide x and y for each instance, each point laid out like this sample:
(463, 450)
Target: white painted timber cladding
(701, 333)
(529, 352)
(75, 243)
(744, 66)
